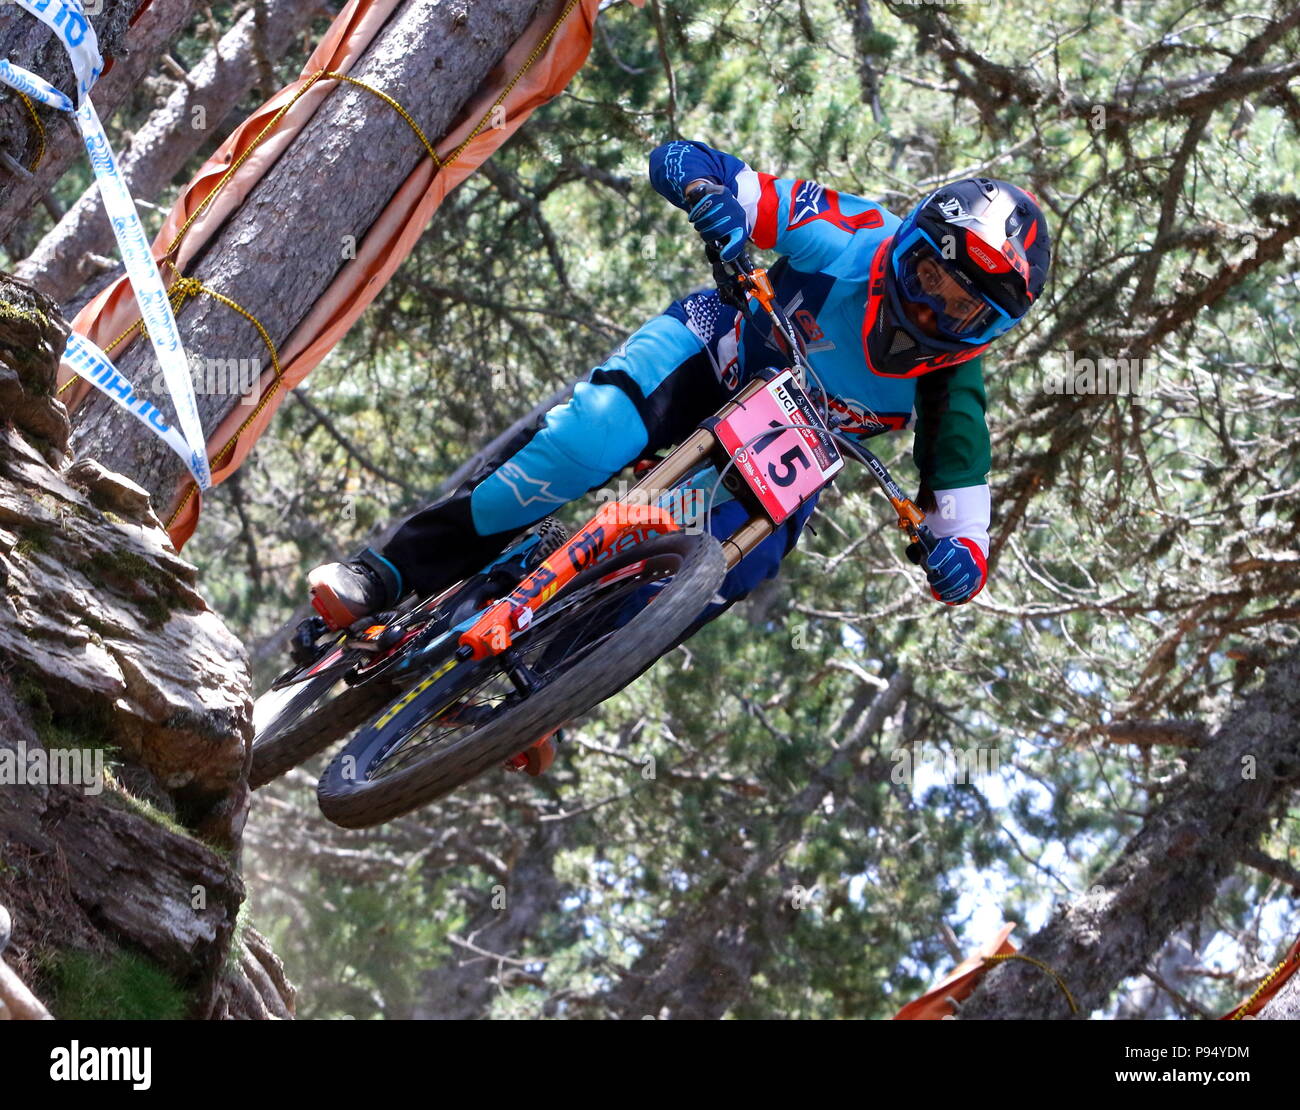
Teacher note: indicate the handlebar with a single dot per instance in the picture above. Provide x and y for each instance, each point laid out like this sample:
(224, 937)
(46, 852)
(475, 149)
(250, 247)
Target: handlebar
(738, 280)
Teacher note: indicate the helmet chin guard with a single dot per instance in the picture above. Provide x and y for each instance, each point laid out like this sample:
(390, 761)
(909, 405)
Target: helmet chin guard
(894, 346)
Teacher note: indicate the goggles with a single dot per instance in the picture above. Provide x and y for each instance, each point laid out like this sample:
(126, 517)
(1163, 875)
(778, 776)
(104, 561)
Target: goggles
(961, 311)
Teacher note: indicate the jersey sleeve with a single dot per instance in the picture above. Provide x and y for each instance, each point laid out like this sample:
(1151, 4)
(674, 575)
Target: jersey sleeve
(812, 225)
(953, 452)
(815, 227)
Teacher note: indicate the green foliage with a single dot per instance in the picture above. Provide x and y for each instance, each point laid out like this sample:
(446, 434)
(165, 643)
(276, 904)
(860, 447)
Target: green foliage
(123, 986)
(358, 950)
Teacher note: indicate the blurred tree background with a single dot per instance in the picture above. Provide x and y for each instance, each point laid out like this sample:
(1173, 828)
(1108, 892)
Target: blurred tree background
(734, 835)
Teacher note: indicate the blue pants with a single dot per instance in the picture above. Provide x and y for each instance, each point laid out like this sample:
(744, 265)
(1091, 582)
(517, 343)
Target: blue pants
(647, 396)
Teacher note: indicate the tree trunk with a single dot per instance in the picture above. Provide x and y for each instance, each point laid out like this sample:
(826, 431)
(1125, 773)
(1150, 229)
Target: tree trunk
(1169, 872)
(160, 149)
(464, 986)
(25, 40)
(279, 252)
(115, 674)
(1285, 1005)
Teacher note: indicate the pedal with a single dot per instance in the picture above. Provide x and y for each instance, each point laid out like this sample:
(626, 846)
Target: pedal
(381, 629)
(379, 633)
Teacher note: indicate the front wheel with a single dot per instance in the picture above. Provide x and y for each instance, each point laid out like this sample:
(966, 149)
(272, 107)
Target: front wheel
(595, 637)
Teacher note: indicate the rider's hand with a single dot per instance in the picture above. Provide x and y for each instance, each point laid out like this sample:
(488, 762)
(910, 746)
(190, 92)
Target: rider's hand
(718, 217)
(955, 566)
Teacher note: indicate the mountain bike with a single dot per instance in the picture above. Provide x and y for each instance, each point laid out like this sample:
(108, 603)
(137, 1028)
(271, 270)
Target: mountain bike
(447, 687)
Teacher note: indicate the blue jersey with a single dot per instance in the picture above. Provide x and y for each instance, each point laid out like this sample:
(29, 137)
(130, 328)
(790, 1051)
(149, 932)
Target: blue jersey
(681, 365)
(830, 283)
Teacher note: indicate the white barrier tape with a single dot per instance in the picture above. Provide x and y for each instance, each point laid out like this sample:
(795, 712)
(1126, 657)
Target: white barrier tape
(25, 81)
(92, 364)
(68, 20)
(150, 296)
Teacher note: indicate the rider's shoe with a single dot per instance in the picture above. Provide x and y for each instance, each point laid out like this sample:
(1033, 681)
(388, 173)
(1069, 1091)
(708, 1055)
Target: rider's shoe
(343, 593)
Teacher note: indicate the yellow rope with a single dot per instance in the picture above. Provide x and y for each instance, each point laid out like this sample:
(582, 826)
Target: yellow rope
(241, 160)
(323, 74)
(528, 63)
(1074, 1009)
(419, 134)
(1245, 1006)
(177, 293)
(184, 287)
(228, 446)
(40, 129)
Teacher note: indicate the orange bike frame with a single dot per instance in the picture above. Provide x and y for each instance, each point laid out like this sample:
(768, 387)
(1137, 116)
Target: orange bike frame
(493, 632)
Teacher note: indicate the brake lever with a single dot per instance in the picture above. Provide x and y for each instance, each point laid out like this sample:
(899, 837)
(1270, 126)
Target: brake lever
(737, 281)
(729, 281)
(911, 518)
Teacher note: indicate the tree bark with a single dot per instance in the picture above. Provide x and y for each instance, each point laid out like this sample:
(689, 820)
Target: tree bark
(1285, 1005)
(160, 149)
(279, 252)
(105, 646)
(1170, 871)
(24, 39)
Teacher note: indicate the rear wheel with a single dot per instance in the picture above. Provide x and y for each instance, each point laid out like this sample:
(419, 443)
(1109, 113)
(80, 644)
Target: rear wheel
(603, 630)
(307, 720)
(295, 722)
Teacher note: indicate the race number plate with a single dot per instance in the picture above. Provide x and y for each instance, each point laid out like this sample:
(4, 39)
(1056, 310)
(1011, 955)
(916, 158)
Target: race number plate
(787, 465)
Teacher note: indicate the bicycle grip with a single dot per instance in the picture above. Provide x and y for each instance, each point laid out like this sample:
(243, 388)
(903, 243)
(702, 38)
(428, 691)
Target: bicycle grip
(917, 550)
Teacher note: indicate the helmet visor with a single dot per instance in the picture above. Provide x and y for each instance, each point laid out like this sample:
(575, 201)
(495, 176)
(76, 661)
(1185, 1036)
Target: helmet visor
(961, 311)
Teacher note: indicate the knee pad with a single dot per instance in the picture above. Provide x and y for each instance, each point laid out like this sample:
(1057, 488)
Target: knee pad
(598, 431)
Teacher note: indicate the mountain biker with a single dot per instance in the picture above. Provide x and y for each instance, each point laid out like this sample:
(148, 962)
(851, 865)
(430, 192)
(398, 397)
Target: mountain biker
(894, 315)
